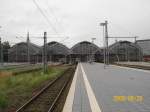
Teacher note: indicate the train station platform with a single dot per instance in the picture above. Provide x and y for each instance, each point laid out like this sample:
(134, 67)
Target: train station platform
(110, 89)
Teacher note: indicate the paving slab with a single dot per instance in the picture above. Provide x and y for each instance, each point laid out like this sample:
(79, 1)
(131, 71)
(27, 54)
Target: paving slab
(116, 89)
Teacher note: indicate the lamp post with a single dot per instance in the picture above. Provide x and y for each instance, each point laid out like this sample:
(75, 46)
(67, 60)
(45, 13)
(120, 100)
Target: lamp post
(92, 57)
(106, 53)
(93, 40)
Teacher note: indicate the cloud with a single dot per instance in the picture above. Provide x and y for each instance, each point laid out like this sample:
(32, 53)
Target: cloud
(78, 19)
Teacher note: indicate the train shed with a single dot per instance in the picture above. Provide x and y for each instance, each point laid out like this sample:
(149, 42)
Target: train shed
(125, 51)
(145, 45)
(85, 51)
(19, 52)
(56, 52)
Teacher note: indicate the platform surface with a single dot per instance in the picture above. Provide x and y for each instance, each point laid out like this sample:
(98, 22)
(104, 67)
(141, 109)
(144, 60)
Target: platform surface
(109, 89)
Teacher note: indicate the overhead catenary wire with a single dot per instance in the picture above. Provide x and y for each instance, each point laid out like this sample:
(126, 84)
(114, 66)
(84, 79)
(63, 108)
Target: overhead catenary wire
(20, 38)
(55, 17)
(45, 16)
(120, 27)
(60, 41)
(124, 30)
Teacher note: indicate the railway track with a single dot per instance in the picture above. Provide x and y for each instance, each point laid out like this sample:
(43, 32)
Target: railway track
(135, 66)
(46, 99)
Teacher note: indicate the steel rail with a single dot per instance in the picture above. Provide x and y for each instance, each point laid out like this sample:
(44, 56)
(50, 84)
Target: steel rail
(59, 94)
(38, 94)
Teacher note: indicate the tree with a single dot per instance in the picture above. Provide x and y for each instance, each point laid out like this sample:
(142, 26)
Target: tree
(6, 46)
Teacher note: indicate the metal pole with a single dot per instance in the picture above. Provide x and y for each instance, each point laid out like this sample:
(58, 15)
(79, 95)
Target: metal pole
(1, 46)
(16, 54)
(126, 52)
(104, 52)
(92, 55)
(88, 51)
(135, 39)
(28, 50)
(69, 58)
(105, 42)
(45, 53)
(107, 49)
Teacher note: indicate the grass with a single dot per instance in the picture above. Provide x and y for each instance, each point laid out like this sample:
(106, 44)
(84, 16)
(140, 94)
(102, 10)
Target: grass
(12, 67)
(15, 88)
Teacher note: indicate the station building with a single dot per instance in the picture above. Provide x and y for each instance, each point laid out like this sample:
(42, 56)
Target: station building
(19, 52)
(145, 46)
(125, 51)
(56, 52)
(81, 52)
(85, 51)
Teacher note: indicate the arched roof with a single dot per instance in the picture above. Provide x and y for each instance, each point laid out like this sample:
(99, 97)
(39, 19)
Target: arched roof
(124, 45)
(56, 48)
(85, 47)
(22, 48)
(145, 45)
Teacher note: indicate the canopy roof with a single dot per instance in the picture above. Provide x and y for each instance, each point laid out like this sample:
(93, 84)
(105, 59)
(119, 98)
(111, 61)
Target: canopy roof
(56, 48)
(124, 45)
(22, 47)
(85, 47)
(145, 45)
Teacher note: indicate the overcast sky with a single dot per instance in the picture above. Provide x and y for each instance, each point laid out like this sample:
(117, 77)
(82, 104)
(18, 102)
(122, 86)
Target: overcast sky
(78, 19)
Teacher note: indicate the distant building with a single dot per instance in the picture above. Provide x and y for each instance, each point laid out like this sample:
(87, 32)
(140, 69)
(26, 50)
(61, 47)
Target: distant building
(56, 52)
(85, 51)
(125, 51)
(145, 45)
(19, 52)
